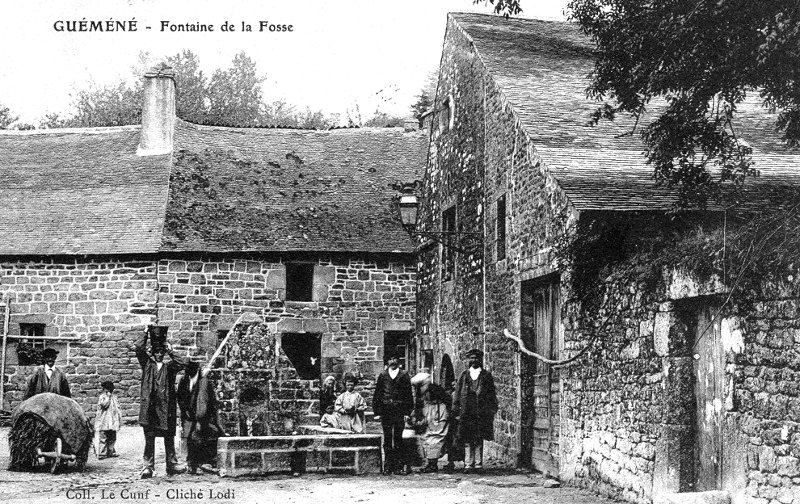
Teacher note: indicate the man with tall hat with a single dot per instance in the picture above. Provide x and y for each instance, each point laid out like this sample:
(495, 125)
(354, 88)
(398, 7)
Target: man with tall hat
(474, 406)
(392, 402)
(158, 403)
(48, 378)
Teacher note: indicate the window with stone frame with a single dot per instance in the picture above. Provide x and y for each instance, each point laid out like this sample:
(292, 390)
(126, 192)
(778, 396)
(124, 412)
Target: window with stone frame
(448, 240)
(29, 349)
(446, 115)
(500, 229)
(299, 281)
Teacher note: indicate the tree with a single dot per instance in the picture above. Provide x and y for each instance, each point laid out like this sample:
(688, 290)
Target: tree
(382, 119)
(6, 117)
(426, 96)
(682, 68)
(232, 97)
(191, 86)
(235, 96)
(115, 105)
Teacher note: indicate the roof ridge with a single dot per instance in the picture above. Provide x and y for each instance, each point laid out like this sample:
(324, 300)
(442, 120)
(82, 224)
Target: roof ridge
(93, 130)
(210, 127)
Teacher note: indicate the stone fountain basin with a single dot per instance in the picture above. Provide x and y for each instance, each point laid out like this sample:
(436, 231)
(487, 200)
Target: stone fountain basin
(313, 449)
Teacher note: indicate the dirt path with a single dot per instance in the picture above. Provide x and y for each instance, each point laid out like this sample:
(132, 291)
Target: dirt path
(116, 481)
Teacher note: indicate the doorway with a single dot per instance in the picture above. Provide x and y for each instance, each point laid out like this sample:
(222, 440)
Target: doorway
(540, 384)
(709, 389)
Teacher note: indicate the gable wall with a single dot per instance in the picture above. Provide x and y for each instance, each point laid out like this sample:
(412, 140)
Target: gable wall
(486, 156)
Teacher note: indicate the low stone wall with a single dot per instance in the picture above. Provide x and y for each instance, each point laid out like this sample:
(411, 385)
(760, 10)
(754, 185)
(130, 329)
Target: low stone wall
(351, 453)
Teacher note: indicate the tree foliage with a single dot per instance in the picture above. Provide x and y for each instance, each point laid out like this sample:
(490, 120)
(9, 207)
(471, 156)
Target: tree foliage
(426, 96)
(231, 97)
(6, 117)
(682, 69)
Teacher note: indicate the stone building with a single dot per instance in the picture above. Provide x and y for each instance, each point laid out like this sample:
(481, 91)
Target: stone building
(106, 231)
(673, 389)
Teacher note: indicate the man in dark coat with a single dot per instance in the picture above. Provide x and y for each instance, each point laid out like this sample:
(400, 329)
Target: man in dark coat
(392, 402)
(48, 378)
(198, 404)
(157, 407)
(474, 405)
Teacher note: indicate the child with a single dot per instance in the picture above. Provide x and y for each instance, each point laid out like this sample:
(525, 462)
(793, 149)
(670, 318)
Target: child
(329, 418)
(107, 421)
(350, 407)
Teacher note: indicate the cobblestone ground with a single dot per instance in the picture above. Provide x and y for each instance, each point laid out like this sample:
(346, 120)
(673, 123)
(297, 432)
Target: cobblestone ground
(116, 480)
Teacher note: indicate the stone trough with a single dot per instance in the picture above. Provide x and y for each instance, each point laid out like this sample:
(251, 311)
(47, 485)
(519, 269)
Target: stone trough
(314, 449)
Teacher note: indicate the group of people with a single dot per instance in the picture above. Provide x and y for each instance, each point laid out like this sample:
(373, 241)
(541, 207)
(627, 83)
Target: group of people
(345, 411)
(158, 403)
(456, 417)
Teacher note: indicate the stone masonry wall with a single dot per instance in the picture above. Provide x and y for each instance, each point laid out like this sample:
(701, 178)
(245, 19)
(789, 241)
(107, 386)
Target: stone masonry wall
(630, 413)
(486, 156)
(96, 307)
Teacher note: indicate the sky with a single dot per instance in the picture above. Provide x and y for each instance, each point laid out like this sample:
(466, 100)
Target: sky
(342, 56)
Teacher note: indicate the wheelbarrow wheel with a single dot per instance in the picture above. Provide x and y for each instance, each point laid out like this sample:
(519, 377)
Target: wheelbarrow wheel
(57, 458)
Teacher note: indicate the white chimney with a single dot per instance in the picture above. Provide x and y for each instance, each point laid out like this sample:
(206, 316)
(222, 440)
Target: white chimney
(158, 112)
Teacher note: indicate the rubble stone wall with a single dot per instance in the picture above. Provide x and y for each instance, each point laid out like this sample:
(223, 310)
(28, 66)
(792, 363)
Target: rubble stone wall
(97, 307)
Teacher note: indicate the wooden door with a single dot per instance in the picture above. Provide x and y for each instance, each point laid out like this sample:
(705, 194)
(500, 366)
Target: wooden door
(709, 369)
(541, 388)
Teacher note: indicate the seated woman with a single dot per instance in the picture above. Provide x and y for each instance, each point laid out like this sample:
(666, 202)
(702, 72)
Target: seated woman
(350, 407)
(436, 418)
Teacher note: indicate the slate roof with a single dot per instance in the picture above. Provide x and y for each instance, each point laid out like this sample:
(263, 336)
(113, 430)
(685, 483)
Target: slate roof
(278, 189)
(542, 68)
(80, 191)
(84, 191)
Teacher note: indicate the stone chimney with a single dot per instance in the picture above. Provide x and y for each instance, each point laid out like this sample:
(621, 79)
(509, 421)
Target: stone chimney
(158, 112)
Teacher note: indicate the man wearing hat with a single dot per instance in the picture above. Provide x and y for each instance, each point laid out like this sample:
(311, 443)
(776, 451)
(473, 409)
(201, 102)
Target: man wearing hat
(474, 406)
(392, 402)
(48, 378)
(158, 403)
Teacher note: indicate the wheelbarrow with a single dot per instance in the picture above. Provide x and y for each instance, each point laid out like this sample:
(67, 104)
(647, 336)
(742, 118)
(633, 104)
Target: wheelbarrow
(49, 430)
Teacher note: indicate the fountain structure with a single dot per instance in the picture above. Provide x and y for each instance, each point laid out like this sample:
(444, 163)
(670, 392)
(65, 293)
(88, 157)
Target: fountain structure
(271, 413)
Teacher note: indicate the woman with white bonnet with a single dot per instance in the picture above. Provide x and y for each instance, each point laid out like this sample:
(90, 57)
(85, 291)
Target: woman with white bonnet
(436, 416)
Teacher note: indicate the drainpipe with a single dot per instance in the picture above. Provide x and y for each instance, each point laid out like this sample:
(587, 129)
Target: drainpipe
(6, 306)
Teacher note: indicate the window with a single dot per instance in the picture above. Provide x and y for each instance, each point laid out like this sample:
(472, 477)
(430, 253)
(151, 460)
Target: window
(397, 344)
(500, 229)
(427, 360)
(446, 115)
(304, 351)
(299, 282)
(32, 330)
(29, 350)
(448, 240)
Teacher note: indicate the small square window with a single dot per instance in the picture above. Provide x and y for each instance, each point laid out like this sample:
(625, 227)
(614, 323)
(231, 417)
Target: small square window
(29, 350)
(500, 229)
(299, 282)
